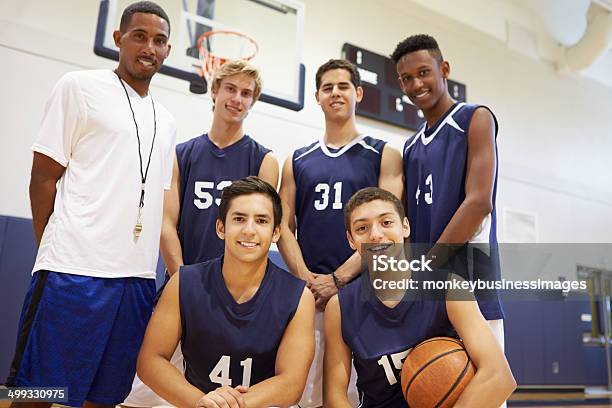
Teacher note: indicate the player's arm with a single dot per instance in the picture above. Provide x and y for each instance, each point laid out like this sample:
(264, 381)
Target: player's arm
(62, 125)
(154, 367)
(293, 361)
(479, 181)
(493, 382)
(287, 244)
(170, 245)
(324, 287)
(391, 176)
(336, 360)
(268, 171)
(390, 179)
(43, 187)
(160, 341)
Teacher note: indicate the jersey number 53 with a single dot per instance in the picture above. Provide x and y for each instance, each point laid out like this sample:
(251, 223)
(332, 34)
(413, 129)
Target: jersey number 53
(204, 198)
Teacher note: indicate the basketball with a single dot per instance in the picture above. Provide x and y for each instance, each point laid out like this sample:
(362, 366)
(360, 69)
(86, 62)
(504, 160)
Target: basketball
(436, 372)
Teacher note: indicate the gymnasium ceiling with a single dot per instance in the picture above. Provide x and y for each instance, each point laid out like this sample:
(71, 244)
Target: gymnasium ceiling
(574, 36)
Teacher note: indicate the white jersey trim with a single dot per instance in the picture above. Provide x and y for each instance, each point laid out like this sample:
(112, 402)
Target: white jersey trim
(345, 148)
(416, 137)
(312, 149)
(448, 120)
(367, 146)
(321, 144)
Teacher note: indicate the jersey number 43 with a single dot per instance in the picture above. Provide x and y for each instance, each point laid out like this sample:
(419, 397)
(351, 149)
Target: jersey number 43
(428, 193)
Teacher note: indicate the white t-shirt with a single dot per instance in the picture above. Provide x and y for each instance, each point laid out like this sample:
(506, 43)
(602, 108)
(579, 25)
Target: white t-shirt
(88, 128)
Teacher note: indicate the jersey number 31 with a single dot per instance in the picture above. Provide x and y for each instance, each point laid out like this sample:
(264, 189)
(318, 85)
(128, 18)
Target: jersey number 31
(323, 189)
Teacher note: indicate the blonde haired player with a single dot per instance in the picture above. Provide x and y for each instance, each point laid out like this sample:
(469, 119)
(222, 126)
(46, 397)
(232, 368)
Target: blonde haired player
(203, 167)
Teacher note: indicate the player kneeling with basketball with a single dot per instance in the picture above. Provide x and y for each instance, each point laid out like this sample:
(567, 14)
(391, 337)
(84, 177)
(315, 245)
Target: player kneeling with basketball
(246, 327)
(360, 322)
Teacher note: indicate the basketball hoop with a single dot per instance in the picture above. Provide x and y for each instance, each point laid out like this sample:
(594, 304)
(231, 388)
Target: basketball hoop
(211, 61)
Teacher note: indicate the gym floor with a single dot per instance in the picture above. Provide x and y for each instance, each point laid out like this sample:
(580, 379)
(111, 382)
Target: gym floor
(599, 398)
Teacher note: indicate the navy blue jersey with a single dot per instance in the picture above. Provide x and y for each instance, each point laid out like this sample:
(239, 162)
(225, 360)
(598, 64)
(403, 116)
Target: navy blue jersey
(380, 337)
(435, 164)
(325, 179)
(227, 343)
(205, 170)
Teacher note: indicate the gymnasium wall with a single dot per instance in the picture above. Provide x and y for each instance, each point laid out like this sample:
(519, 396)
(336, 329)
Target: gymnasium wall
(554, 141)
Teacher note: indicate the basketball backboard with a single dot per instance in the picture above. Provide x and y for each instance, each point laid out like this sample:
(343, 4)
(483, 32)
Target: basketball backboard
(276, 25)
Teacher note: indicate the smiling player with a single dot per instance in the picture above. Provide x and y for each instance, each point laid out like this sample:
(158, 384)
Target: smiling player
(377, 327)
(203, 167)
(450, 169)
(102, 159)
(208, 163)
(317, 181)
(245, 325)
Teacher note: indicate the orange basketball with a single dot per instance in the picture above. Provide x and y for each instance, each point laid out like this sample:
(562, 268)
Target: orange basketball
(436, 372)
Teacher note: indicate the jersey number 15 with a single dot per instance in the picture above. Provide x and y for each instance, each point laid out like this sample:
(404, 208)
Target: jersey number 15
(397, 359)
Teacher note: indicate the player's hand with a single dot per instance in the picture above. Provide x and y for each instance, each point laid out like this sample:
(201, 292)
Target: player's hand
(310, 278)
(223, 397)
(321, 303)
(440, 255)
(323, 288)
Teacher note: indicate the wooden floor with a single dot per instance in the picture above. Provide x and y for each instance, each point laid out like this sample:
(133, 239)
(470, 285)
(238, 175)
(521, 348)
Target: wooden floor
(565, 399)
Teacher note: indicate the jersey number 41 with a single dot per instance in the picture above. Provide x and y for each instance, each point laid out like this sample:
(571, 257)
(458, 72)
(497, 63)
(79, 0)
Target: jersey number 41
(220, 374)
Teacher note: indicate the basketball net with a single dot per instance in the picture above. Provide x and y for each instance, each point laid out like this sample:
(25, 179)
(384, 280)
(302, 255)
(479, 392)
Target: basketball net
(223, 39)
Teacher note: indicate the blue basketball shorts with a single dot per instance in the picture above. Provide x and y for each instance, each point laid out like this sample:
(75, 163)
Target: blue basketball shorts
(82, 333)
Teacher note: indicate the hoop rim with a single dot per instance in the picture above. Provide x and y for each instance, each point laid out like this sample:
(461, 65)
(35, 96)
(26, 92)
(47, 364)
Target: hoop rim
(211, 61)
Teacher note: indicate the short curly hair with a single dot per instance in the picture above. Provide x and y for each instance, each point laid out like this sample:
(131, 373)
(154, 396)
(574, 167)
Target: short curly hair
(417, 43)
(366, 195)
(147, 7)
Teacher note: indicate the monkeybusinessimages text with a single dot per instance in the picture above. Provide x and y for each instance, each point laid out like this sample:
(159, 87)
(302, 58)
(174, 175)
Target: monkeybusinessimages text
(385, 263)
